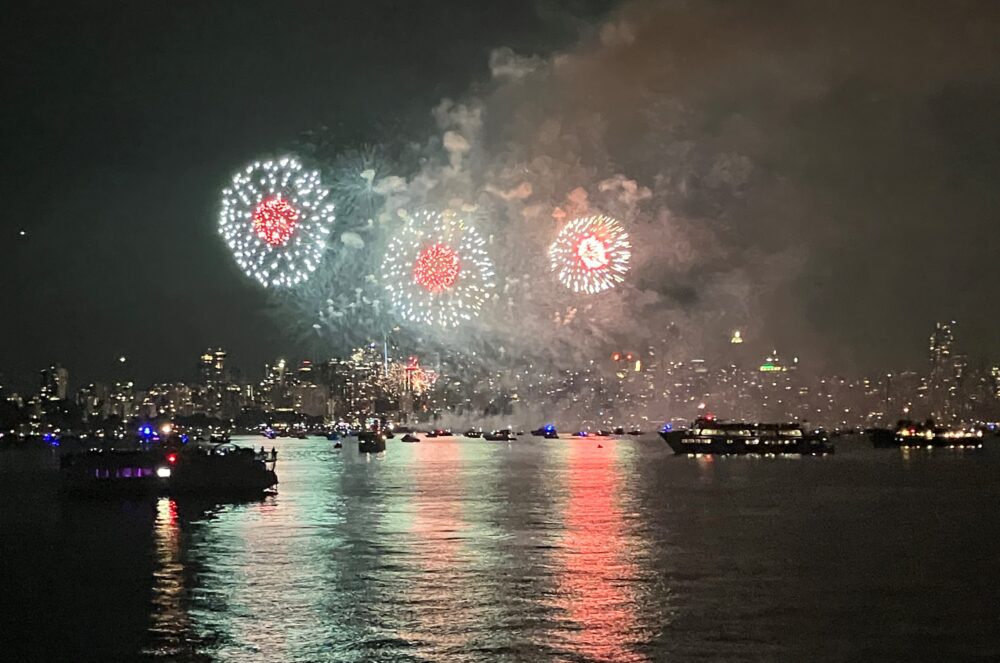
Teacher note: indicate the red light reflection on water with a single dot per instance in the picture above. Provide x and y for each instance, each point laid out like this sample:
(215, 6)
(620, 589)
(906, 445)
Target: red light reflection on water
(592, 588)
(169, 618)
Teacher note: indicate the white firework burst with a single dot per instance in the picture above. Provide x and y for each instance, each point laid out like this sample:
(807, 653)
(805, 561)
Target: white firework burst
(436, 269)
(591, 254)
(276, 219)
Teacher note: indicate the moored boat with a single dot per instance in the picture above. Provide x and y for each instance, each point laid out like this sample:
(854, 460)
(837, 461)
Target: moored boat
(548, 431)
(219, 469)
(371, 442)
(707, 436)
(909, 435)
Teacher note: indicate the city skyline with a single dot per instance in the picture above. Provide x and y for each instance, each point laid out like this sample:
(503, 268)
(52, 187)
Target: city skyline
(630, 386)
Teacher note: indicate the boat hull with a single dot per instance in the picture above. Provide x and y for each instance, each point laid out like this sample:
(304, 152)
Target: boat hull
(884, 438)
(370, 443)
(147, 473)
(685, 442)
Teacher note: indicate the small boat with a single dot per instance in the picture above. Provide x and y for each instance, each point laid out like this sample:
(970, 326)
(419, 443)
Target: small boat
(430, 433)
(548, 431)
(635, 431)
(338, 445)
(371, 442)
(409, 437)
(269, 433)
(333, 437)
(619, 430)
(441, 432)
(474, 434)
(501, 435)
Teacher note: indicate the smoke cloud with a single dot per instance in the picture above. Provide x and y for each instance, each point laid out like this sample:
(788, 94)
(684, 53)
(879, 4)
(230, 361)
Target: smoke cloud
(808, 173)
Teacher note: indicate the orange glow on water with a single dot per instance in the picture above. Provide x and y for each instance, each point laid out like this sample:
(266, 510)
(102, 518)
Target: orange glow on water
(595, 559)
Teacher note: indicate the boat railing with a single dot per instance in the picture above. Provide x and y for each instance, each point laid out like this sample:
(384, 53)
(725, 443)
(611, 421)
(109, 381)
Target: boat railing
(269, 458)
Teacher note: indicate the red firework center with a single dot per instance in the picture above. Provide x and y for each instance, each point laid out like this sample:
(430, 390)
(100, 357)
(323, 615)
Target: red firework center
(274, 220)
(436, 268)
(592, 252)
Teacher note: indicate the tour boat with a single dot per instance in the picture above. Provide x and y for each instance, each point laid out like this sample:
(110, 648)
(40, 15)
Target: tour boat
(908, 435)
(708, 436)
(219, 469)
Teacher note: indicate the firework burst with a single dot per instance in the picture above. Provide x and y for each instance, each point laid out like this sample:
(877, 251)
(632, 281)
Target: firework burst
(591, 254)
(276, 218)
(436, 269)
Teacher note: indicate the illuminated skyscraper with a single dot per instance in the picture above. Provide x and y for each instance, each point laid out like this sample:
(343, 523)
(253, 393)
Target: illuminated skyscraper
(941, 344)
(54, 381)
(945, 370)
(212, 366)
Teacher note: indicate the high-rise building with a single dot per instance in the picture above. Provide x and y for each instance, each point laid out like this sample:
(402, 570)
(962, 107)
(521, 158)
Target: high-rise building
(55, 380)
(212, 366)
(305, 371)
(944, 373)
(941, 343)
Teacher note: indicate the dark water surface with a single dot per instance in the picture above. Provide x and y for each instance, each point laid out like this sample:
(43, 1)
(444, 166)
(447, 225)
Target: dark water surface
(466, 550)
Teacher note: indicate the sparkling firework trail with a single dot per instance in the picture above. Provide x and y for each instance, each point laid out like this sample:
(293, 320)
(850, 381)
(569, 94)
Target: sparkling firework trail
(275, 218)
(591, 254)
(436, 269)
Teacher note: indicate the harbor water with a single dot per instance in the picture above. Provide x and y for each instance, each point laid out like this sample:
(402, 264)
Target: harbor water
(456, 549)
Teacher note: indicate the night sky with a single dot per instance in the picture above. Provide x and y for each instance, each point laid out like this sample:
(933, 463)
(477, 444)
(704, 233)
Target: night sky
(871, 134)
(121, 122)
